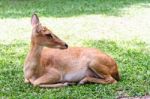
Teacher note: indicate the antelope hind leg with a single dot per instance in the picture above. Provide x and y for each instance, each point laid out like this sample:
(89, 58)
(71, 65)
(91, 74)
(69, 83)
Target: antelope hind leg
(108, 80)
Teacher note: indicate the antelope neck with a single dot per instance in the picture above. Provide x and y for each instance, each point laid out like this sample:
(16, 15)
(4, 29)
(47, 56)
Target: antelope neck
(35, 53)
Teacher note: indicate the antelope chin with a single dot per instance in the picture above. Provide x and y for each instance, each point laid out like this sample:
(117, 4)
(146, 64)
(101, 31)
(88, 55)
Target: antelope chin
(60, 47)
(63, 48)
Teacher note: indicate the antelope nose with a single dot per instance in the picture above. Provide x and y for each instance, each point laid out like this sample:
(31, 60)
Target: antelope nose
(66, 45)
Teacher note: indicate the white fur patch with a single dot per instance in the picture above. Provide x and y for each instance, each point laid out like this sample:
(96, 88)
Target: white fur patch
(75, 76)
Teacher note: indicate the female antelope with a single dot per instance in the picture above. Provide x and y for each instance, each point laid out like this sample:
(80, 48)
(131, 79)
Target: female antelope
(50, 63)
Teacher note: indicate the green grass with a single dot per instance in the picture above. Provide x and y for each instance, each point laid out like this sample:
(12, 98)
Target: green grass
(65, 8)
(120, 28)
(132, 57)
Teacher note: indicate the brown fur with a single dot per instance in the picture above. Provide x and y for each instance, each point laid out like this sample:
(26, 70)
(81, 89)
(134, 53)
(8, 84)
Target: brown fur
(46, 66)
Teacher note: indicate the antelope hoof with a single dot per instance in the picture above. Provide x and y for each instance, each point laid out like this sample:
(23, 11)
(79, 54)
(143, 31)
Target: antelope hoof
(26, 81)
(111, 81)
(35, 83)
(115, 82)
(66, 84)
(69, 83)
(81, 83)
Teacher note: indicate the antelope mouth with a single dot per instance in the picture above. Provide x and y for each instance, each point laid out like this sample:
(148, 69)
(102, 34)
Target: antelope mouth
(64, 47)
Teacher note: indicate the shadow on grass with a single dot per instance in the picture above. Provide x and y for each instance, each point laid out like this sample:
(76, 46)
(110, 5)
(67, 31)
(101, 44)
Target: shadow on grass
(64, 8)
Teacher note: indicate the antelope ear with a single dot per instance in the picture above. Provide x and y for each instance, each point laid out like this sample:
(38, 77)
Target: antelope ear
(34, 20)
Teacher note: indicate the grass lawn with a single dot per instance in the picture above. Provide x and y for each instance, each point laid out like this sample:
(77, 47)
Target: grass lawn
(120, 28)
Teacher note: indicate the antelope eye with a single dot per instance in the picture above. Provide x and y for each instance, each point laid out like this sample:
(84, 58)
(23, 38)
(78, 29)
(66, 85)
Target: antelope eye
(49, 36)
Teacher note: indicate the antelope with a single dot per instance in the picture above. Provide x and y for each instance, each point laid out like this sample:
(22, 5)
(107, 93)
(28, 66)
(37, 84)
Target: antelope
(50, 63)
